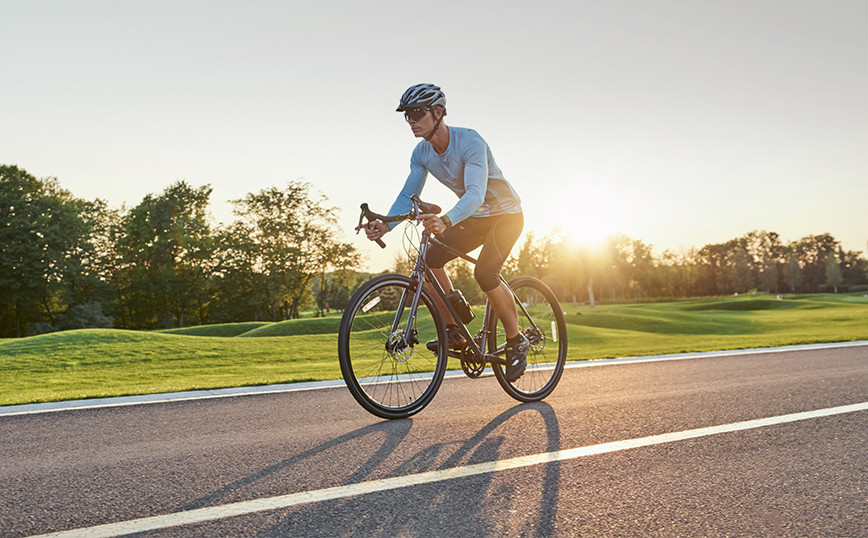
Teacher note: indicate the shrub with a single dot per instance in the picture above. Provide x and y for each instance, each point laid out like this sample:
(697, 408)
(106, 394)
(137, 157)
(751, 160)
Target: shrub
(85, 316)
(80, 316)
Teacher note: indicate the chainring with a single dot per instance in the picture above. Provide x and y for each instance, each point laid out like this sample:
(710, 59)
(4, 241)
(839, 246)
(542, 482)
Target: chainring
(471, 367)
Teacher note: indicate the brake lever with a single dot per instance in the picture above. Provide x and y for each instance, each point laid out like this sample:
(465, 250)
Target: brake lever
(362, 216)
(359, 227)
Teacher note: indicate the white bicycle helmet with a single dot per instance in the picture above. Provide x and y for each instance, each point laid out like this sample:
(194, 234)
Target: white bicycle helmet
(422, 96)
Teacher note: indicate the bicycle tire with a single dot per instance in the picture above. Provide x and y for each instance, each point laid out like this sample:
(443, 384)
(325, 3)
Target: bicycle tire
(547, 331)
(390, 382)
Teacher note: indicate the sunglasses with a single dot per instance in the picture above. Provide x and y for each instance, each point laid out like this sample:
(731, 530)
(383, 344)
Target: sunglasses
(415, 114)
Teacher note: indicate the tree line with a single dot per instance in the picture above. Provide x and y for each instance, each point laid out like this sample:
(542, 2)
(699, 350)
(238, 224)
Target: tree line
(71, 263)
(627, 269)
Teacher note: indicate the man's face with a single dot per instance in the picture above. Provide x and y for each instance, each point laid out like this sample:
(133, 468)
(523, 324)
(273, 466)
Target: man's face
(421, 121)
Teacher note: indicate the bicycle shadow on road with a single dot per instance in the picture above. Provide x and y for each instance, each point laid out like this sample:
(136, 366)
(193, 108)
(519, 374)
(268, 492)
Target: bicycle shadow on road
(522, 502)
(395, 432)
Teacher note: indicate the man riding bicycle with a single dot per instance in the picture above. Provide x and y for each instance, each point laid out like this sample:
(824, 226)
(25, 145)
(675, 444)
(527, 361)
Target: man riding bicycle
(488, 212)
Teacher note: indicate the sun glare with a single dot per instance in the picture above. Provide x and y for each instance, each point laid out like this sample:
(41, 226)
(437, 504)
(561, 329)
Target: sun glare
(585, 218)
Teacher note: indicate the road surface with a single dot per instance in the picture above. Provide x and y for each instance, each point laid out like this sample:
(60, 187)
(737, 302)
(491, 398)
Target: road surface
(751, 444)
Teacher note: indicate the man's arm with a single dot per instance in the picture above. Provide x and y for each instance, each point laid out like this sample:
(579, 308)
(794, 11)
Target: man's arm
(413, 185)
(475, 160)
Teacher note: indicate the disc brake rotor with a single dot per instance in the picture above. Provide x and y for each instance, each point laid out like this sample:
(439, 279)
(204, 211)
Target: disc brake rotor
(396, 347)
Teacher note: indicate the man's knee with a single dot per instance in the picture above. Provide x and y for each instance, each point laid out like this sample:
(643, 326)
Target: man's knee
(486, 278)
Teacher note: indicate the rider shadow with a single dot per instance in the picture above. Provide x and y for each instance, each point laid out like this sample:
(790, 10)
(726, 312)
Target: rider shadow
(525, 504)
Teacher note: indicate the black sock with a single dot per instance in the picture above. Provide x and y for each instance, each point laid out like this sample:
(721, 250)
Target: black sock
(514, 340)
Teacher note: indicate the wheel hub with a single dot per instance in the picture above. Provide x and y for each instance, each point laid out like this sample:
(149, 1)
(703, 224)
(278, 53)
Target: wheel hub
(397, 346)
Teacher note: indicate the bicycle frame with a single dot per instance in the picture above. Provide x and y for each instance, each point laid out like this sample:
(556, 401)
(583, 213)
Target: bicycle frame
(422, 273)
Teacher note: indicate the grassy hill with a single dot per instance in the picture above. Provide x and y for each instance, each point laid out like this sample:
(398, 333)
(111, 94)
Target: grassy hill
(92, 363)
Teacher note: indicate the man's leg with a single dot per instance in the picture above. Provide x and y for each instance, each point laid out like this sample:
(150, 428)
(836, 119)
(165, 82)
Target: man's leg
(504, 305)
(498, 243)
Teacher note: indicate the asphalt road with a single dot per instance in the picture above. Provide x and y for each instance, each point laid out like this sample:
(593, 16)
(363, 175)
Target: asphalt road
(474, 463)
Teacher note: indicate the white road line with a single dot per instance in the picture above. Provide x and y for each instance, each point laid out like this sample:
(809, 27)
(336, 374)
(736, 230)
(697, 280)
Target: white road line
(286, 501)
(122, 401)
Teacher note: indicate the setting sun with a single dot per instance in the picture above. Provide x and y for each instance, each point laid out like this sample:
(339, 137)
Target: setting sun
(585, 215)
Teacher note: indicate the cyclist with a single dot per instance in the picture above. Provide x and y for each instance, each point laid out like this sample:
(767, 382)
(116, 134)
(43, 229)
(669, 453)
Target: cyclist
(488, 211)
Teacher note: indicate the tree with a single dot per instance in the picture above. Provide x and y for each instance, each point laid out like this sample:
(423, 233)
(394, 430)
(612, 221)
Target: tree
(768, 273)
(643, 278)
(295, 236)
(792, 270)
(96, 254)
(570, 270)
(630, 269)
(742, 280)
(41, 240)
(834, 278)
(236, 279)
(333, 257)
(765, 251)
(616, 276)
(812, 252)
(591, 263)
(166, 258)
(342, 283)
(536, 254)
(717, 267)
(668, 274)
(854, 268)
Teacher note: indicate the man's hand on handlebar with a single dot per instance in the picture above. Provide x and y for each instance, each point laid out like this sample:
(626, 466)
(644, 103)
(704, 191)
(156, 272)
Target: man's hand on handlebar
(432, 223)
(376, 229)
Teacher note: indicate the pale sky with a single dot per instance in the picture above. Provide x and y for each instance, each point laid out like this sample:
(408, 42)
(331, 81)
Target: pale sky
(680, 123)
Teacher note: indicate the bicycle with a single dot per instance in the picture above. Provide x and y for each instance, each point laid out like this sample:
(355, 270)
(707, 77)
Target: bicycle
(393, 345)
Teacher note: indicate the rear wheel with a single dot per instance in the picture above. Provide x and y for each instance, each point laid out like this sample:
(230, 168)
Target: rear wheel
(541, 320)
(384, 358)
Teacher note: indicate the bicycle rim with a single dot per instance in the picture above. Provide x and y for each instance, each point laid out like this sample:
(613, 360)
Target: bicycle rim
(385, 375)
(541, 320)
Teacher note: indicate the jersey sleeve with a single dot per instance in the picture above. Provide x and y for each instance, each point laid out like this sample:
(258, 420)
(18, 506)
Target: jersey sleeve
(475, 159)
(413, 185)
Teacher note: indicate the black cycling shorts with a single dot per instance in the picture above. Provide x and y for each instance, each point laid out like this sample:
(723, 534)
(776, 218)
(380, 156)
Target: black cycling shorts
(496, 234)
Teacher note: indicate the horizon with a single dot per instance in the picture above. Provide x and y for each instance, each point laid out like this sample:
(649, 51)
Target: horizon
(555, 231)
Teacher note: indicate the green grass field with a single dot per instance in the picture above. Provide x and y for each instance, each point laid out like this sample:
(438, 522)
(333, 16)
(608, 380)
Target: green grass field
(94, 363)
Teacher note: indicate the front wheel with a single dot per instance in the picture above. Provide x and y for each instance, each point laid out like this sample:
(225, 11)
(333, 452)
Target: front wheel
(382, 347)
(541, 320)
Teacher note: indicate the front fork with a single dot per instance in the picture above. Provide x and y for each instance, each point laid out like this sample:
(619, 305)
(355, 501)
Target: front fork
(402, 339)
(410, 336)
